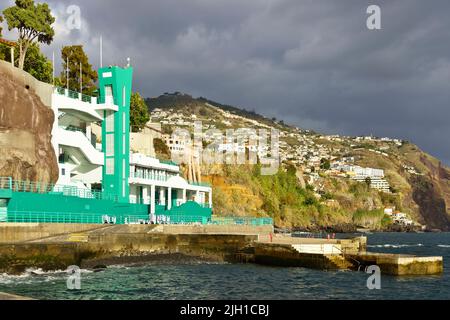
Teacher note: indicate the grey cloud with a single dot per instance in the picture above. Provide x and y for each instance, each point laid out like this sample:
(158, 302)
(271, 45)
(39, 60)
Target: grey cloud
(312, 63)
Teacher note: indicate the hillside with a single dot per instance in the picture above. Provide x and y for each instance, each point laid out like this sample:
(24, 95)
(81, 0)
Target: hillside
(309, 192)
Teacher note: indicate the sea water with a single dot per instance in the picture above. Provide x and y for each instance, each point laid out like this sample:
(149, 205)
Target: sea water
(200, 280)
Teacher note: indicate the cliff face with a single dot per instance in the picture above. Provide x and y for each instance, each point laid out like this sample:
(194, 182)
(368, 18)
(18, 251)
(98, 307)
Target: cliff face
(25, 131)
(432, 194)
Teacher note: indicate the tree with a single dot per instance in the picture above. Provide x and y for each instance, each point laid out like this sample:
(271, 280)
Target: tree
(138, 112)
(325, 164)
(1, 29)
(38, 65)
(34, 23)
(368, 181)
(76, 55)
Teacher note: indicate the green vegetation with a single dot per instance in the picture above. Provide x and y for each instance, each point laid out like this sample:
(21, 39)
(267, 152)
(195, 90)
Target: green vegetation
(325, 164)
(1, 29)
(161, 149)
(374, 219)
(139, 115)
(36, 63)
(33, 22)
(72, 58)
(279, 196)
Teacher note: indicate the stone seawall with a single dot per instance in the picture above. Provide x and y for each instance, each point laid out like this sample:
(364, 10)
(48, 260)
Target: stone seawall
(16, 258)
(20, 232)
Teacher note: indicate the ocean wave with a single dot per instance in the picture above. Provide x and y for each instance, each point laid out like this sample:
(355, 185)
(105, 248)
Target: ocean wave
(31, 274)
(443, 245)
(395, 246)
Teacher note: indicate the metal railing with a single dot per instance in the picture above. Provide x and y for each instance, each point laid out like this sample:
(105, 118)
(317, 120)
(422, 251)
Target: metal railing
(181, 219)
(248, 221)
(155, 177)
(86, 98)
(38, 187)
(73, 129)
(169, 162)
(73, 94)
(200, 184)
(5, 183)
(71, 217)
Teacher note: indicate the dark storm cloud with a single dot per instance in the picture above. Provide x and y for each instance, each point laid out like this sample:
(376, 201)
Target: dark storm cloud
(312, 63)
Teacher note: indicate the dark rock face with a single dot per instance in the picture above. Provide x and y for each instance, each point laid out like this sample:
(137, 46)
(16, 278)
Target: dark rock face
(25, 132)
(431, 203)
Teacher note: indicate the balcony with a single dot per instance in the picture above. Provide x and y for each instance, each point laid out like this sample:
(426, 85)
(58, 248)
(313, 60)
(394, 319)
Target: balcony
(75, 95)
(8, 184)
(88, 106)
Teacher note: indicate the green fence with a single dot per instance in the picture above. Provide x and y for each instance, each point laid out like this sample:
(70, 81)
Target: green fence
(39, 187)
(73, 94)
(181, 219)
(69, 217)
(248, 221)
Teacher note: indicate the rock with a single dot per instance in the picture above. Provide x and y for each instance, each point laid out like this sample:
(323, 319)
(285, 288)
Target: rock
(25, 131)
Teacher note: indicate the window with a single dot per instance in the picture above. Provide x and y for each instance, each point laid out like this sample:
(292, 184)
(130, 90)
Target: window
(110, 145)
(109, 121)
(110, 166)
(109, 98)
(63, 172)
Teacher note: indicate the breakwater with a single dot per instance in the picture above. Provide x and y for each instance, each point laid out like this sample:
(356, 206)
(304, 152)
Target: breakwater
(54, 247)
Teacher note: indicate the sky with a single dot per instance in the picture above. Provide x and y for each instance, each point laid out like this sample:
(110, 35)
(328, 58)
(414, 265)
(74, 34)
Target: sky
(312, 63)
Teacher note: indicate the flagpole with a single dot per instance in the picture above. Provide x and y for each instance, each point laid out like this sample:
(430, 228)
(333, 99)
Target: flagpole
(101, 52)
(67, 71)
(53, 68)
(81, 80)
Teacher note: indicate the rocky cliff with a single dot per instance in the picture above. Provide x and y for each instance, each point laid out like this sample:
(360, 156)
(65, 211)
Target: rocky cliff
(309, 195)
(25, 130)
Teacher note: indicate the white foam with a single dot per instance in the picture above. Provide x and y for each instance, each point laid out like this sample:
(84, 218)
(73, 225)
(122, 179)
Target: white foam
(395, 246)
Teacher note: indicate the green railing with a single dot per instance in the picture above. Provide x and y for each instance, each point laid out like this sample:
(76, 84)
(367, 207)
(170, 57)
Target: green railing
(181, 219)
(86, 98)
(155, 177)
(73, 94)
(61, 91)
(248, 221)
(201, 184)
(73, 129)
(168, 162)
(38, 187)
(72, 217)
(5, 183)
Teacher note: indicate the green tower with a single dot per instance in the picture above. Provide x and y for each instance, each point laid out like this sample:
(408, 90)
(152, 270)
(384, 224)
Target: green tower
(115, 92)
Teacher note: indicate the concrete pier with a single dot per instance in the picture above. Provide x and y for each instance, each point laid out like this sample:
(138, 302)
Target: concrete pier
(54, 246)
(400, 265)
